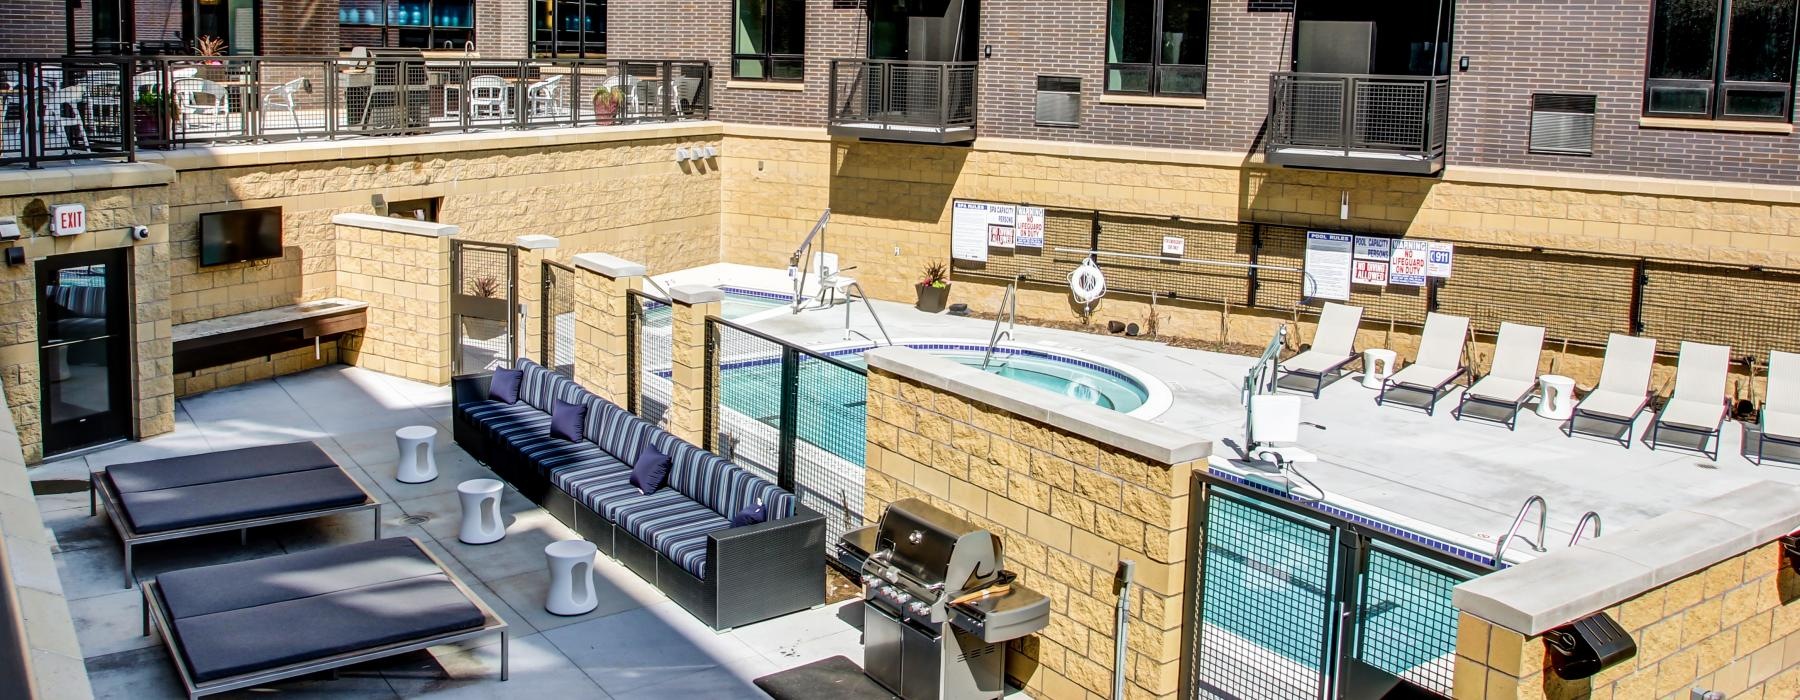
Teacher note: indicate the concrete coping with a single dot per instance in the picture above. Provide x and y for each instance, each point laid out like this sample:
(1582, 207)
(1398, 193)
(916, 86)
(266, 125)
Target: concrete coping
(695, 294)
(537, 241)
(1110, 428)
(609, 265)
(1573, 583)
(411, 227)
(59, 178)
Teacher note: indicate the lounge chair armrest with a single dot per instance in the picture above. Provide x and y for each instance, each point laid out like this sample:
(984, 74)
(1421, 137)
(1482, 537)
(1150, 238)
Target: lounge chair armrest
(469, 387)
(768, 569)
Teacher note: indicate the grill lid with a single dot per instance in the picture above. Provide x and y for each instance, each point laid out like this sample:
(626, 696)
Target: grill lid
(932, 547)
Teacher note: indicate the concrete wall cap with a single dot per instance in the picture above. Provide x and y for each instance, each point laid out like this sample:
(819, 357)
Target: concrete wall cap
(1573, 583)
(411, 227)
(609, 265)
(694, 294)
(1109, 428)
(56, 179)
(537, 241)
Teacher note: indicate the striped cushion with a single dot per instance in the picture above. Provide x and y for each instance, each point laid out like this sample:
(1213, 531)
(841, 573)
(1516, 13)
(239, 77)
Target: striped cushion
(538, 386)
(485, 409)
(550, 454)
(622, 434)
(724, 487)
(665, 519)
(576, 479)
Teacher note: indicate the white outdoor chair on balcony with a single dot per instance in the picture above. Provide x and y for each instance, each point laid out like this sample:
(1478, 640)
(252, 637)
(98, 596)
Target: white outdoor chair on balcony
(151, 79)
(487, 97)
(202, 102)
(545, 98)
(62, 110)
(285, 97)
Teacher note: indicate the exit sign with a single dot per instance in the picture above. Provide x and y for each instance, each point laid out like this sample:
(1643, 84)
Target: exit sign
(68, 219)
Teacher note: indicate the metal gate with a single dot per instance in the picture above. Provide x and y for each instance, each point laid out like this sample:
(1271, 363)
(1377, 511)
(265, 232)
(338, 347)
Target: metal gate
(1299, 603)
(557, 335)
(483, 294)
(649, 355)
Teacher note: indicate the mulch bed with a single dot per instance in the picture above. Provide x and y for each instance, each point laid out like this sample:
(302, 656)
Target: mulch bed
(839, 588)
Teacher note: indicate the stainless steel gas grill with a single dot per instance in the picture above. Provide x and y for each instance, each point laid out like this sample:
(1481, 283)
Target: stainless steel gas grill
(938, 609)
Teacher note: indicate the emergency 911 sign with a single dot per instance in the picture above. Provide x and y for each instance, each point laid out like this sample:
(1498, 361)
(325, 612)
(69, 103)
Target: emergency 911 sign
(68, 219)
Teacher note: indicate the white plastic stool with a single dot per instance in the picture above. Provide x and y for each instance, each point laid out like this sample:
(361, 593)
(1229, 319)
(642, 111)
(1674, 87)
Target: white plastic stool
(1556, 397)
(481, 521)
(418, 463)
(571, 577)
(1378, 365)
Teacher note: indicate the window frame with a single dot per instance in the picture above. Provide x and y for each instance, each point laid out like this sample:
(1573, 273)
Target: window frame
(1717, 86)
(591, 44)
(768, 59)
(1156, 64)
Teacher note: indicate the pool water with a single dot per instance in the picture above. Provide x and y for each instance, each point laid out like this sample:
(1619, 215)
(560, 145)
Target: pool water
(738, 303)
(1076, 379)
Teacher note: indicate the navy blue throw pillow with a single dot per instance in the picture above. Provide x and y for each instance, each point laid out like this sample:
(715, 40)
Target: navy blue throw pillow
(505, 385)
(566, 419)
(650, 470)
(750, 515)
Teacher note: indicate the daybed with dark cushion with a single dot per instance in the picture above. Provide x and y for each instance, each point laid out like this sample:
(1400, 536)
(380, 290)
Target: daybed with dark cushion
(679, 536)
(295, 614)
(176, 497)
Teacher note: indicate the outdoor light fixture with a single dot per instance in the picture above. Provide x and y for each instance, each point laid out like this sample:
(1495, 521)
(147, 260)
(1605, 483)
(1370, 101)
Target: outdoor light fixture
(1790, 545)
(15, 256)
(712, 151)
(1588, 646)
(1344, 206)
(1462, 64)
(681, 154)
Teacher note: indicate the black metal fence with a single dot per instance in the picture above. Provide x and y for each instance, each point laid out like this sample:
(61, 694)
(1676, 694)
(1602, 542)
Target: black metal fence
(649, 355)
(557, 334)
(904, 93)
(64, 108)
(797, 416)
(1401, 115)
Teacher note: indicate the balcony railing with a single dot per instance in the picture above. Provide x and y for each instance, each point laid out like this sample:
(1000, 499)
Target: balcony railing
(107, 107)
(1378, 123)
(919, 101)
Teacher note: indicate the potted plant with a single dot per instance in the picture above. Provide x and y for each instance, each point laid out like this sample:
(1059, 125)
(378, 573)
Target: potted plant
(484, 328)
(607, 101)
(148, 114)
(934, 288)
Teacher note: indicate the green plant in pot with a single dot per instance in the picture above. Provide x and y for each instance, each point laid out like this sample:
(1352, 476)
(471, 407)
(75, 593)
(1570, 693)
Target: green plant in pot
(607, 102)
(934, 288)
(483, 328)
(149, 111)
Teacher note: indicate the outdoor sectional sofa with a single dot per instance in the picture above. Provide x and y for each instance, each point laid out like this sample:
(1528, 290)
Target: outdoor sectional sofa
(680, 536)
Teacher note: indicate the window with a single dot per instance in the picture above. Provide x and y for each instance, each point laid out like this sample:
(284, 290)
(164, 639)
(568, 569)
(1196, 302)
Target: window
(1721, 59)
(1156, 47)
(425, 209)
(768, 40)
(568, 28)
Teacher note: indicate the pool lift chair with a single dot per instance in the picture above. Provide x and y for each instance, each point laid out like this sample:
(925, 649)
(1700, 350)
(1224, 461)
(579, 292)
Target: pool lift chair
(831, 281)
(1273, 426)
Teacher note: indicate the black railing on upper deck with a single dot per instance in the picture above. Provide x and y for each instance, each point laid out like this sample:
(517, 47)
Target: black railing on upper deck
(904, 100)
(106, 107)
(1361, 122)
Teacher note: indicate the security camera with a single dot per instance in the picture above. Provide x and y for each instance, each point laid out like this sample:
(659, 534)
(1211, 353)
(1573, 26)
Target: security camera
(139, 232)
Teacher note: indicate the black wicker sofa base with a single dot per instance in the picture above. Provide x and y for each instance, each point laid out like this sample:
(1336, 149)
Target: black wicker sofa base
(725, 575)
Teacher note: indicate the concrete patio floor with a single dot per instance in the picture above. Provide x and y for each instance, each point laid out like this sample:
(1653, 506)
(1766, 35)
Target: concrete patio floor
(637, 644)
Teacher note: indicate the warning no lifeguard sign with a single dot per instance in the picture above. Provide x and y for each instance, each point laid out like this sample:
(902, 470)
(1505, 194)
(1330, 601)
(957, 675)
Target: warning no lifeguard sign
(1412, 260)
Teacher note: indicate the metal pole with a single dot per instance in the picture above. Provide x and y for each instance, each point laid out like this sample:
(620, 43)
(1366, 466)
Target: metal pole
(789, 419)
(1126, 569)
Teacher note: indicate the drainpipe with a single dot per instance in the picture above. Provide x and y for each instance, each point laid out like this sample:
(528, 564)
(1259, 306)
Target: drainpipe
(1126, 567)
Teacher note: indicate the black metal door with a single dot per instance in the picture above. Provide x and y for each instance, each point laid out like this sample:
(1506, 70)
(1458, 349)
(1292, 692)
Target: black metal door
(84, 349)
(483, 295)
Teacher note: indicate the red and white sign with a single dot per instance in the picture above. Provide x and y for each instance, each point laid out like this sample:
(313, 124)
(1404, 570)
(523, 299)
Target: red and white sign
(68, 219)
(1373, 272)
(1411, 260)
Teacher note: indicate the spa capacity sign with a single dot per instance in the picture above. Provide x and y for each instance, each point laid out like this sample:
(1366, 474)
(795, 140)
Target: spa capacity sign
(972, 228)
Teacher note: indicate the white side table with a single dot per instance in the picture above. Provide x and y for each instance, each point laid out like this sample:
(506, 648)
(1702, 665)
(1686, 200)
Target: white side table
(1378, 365)
(571, 577)
(481, 521)
(418, 461)
(1556, 397)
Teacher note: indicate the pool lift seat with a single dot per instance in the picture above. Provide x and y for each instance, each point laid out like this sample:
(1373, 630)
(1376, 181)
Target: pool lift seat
(1274, 428)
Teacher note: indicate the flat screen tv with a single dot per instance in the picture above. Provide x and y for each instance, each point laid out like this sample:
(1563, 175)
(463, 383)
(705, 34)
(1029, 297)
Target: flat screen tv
(239, 236)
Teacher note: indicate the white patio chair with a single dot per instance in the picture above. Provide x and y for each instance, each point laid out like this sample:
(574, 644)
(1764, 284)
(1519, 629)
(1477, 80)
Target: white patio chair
(285, 97)
(487, 95)
(1780, 419)
(1512, 378)
(62, 110)
(546, 98)
(200, 100)
(1332, 346)
(1439, 361)
(830, 277)
(153, 79)
(1698, 404)
(631, 86)
(1624, 388)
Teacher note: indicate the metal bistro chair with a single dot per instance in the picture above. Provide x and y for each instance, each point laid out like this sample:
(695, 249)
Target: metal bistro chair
(284, 97)
(487, 95)
(201, 101)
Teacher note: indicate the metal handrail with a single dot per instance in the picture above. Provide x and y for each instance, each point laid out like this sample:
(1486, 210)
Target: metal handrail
(1581, 526)
(873, 95)
(1362, 123)
(1009, 312)
(1513, 531)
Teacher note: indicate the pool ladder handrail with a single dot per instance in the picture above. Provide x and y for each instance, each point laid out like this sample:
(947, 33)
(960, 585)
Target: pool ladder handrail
(856, 292)
(1581, 526)
(1519, 521)
(1009, 313)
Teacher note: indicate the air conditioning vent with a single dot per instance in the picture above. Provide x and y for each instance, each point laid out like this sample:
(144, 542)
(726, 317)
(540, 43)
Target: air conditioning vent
(1562, 124)
(1058, 100)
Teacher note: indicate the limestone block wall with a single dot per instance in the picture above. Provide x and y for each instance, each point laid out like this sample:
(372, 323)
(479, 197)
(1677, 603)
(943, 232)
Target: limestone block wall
(600, 323)
(405, 278)
(1707, 594)
(54, 658)
(1071, 492)
(278, 364)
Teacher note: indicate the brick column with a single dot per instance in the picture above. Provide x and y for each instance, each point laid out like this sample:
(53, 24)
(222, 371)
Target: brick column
(402, 269)
(532, 249)
(600, 323)
(687, 404)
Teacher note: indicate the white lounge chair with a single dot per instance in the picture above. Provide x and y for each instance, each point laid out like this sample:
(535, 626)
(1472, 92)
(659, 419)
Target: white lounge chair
(1512, 378)
(1332, 346)
(1780, 419)
(1624, 388)
(1698, 404)
(1439, 361)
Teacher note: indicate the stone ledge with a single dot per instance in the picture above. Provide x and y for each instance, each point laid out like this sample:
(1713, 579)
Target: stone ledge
(1110, 428)
(695, 294)
(1575, 582)
(537, 241)
(55, 178)
(764, 85)
(411, 227)
(360, 148)
(609, 265)
(1152, 101)
(767, 131)
(1739, 126)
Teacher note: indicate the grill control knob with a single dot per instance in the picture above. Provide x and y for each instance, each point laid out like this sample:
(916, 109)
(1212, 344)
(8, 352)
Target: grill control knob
(918, 608)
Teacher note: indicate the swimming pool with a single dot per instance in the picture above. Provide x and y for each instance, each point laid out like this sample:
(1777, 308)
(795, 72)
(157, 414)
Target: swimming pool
(1081, 379)
(739, 303)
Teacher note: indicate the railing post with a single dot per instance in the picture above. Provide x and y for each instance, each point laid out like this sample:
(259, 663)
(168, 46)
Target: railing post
(831, 93)
(943, 94)
(331, 106)
(790, 417)
(127, 111)
(668, 90)
(1349, 114)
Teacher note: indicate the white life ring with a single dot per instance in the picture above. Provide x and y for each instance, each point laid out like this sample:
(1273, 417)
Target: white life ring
(1087, 282)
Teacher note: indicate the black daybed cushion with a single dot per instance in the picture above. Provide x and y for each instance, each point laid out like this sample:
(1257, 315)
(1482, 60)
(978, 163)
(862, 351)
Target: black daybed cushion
(310, 605)
(232, 485)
